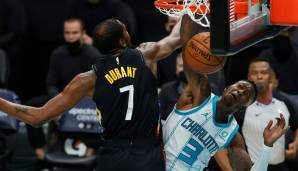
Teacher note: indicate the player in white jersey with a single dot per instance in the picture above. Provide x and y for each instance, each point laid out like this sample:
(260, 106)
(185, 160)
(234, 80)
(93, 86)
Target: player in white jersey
(201, 123)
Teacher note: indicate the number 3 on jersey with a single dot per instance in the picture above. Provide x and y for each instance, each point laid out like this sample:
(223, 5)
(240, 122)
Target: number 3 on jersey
(129, 110)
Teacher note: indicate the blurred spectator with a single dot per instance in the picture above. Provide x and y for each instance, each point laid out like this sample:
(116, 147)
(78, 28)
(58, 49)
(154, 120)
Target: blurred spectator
(255, 117)
(284, 60)
(292, 106)
(43, 34)
(66, 61)
(95, 11)
(12, 27)
(171, 91)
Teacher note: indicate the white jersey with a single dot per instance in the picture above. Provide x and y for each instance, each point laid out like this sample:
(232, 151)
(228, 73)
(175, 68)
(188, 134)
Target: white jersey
(192, 137)
(256, 118)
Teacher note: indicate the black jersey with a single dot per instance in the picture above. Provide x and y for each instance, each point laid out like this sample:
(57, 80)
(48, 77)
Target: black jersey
(126, 96)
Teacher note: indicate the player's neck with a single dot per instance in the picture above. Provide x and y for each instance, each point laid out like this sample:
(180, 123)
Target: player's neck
(221, 115)
(116, 52)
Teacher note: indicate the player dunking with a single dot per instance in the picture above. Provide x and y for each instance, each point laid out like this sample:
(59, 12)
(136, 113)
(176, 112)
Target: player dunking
(201, 123)
(123, 85)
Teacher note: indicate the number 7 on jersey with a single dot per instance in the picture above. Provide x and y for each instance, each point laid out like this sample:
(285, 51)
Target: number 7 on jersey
(129, 110)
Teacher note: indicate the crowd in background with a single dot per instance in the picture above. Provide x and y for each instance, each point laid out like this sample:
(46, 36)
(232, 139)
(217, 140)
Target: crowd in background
(32, 38)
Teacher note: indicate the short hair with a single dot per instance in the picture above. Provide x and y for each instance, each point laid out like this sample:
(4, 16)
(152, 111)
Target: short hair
(107, 34)
(73, 19)
(259, 59)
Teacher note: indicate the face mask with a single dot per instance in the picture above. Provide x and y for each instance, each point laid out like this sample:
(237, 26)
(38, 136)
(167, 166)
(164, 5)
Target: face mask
(74, 47)
(182, 77)
(282, 48)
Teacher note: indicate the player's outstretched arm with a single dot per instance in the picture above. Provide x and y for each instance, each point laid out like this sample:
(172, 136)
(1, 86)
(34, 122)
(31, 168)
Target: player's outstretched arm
(82, 85)
(155, 51)
(270, 134)
(237, 152)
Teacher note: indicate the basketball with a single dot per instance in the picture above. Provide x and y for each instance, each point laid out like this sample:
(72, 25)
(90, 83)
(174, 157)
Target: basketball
(198, 56)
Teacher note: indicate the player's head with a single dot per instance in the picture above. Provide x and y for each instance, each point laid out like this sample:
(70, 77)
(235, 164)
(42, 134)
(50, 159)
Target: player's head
(260, 72)
(111, 35)
(238, 95)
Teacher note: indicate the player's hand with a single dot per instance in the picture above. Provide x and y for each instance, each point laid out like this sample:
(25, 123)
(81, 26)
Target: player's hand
(271, 134)
(291, 152)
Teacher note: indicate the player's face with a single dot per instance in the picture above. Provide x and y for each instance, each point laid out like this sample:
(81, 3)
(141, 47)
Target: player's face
(259, 73)
(73, 32)
(238, 95)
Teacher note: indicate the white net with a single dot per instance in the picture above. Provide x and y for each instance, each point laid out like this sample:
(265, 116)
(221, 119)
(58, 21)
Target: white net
(196, 9)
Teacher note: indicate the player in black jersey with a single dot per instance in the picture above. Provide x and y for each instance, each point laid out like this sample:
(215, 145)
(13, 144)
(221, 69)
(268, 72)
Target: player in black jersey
(123, 85)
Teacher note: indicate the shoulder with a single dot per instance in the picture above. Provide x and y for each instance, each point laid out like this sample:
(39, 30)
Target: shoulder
(85, 78)
(280, 105)
(91, 50)
(59, 51)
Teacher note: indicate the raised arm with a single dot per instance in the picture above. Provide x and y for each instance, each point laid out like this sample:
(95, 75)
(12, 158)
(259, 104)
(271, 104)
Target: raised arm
(155, 51)
(236, 151)
(82, 85)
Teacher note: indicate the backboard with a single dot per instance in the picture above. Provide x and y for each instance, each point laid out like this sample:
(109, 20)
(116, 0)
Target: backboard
(234, 24)
(239, 24)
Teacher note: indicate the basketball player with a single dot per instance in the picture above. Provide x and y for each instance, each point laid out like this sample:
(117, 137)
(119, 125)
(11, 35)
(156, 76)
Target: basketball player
(123, 85)
(202, 123)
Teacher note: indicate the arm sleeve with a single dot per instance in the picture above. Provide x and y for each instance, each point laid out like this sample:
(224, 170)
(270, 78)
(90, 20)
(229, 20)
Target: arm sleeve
(261, 163)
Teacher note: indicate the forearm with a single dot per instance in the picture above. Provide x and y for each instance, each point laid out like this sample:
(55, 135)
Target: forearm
(262, 161)
(222, 160)
(30, 115)
(170, 43)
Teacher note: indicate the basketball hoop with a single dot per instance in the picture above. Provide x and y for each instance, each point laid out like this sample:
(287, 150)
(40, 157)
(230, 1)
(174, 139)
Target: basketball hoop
(196, 9)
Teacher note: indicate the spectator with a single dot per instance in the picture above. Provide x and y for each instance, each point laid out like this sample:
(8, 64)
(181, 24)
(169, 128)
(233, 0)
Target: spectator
(66, 61)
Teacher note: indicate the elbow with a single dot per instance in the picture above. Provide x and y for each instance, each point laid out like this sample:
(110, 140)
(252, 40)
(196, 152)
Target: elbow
(36, 121)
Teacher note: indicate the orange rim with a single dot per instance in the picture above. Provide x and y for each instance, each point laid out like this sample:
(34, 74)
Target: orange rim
(166, 4)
